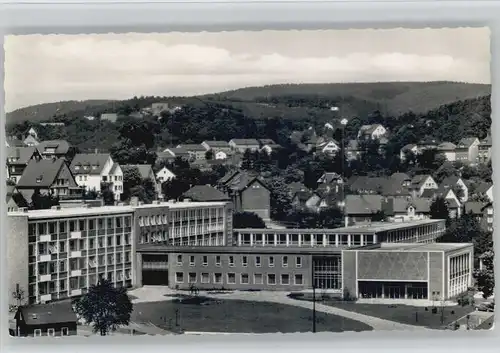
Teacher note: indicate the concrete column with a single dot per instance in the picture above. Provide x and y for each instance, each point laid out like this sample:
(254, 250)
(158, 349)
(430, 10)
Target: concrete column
(349, 239)
(375, 238)
(288, 239)
(406, 291)
(383, 291)
(300, 239)
(252, 237)
(239, 239)
(362, 239)
(337, 240)
(325, 239)
(275, 239)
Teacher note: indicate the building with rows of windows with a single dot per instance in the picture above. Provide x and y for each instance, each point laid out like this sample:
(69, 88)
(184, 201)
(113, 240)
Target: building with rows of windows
(59, 253)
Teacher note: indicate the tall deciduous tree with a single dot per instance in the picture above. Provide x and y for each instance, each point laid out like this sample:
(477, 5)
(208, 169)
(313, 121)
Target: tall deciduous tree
(485, 278)
(439, 209)
(105, 307)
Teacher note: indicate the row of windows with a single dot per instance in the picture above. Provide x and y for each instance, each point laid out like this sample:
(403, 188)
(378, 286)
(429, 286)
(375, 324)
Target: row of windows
(46, 268)
(294, 239)
(45, 248)
(79, 282)
(244, 278)
(195, 214)
(43, 228)
(51, 332)
(257, 260)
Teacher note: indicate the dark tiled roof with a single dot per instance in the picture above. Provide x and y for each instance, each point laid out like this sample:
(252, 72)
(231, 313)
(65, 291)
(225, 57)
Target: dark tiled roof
(205, 193)
(303, 196)
(419, 180)
(483, 187)
(446, 146)
(145, 170)
(178, 152)
(297, 186)
(192, 147)
(246, 142)
(114, 167)
(44, 170)
(395, 205)
(15, 142)
(450, 181)
(368, 184)
(474, 206)
(89, 163)
(61, 146)
(486, 141)
(214, 144)
(363, 204)
(466, 142)
(44, 314)
(329, 177)
(22, 154)
(267, 142)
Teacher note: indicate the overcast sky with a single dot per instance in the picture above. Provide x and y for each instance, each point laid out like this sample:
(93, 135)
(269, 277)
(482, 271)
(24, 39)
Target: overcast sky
(43, 68)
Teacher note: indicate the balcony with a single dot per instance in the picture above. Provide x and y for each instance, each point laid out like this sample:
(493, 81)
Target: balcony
(75, 273)
(45, 278)
(75, 235)
(45, 258)
(45, 238)
(75, 292)
(75, 254)
(45, 298)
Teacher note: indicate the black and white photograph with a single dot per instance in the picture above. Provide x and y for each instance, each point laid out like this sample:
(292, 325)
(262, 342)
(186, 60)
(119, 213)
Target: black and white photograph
(249, 182)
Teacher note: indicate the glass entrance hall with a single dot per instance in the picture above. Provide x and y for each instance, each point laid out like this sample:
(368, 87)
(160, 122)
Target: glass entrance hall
(392, 290)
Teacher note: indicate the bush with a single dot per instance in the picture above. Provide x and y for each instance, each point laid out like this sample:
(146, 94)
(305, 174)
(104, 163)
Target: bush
(434, 310)
(465, 299)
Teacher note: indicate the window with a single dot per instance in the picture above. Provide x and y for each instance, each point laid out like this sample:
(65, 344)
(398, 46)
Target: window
(191, 260)
(179, 277)
(231, 260)
(231, 278)
(205, 260)
(217, 260)
(192, 277)
(285, 261)
(271, 278)
(257, 278)
(38, 332)
(179, 259)
(298, 279)
(51, 332)
(285, 279)
(65, 331)
(218, 278)
(244, 278)
(257, 261)
(298, 261)
(205, 278)
(244, 261)
(271, 261)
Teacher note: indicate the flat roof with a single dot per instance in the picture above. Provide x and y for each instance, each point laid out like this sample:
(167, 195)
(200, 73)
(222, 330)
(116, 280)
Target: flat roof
(230, 249)
(369, 228)
(65, 212)
(421, 246)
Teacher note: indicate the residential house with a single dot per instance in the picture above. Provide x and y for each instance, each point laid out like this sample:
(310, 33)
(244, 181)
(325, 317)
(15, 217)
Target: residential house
(196, 152)
(220, 155)
(306, 199)
(446, 192)
(427, 144)
(479, 210)
(146, 172)
(329, 178)
(32, 131)
(456, 183)
(205, 193)
(330, 147)
(366, 185)
(13, 141)
(397, 185)
(420, 183)
(330, 197)
(54, 319)
(247, 192)
(448, 150)
(353, 150)
(49, 177)
(171, 153)
(14, 199)
(489, 193)
(410, 149)
(115, 180)
(489, 215)
(484, 150)
(17, 160)
(270, 148)
(111, 117)
(467, 150)
(31, 141)
(160, 107)
(371, 132)
(399, 209)
(164, 174)
(92, 169)
(483, 191)
(55, 149)
(217, 146)
(362, 208)
(295, 187)
(241, 145)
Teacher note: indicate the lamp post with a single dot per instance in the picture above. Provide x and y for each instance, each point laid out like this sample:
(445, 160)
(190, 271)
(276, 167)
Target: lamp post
(314, 308)
(343, 123)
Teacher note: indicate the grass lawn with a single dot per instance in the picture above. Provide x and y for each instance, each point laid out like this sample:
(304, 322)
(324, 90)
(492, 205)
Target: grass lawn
(406, 314)
(240, 316)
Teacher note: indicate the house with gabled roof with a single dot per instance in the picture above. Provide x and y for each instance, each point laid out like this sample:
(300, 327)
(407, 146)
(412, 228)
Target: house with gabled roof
(410, 149)
(295, 187)
(31, 141)
(248, 193)
(205, 193)
(171, 153)
(448, 150)
(399, 209)
(196, 151)
(457, 182)
(367, 185)
(13, 141)
(54, 149)
(111, 117)
(468, 150)
(17, 160)
(241, 145)
(14, 199)
(49, 177)
(371, 132)
(165, 174)
(421, 182)
(216, 146)
(361, 208)
(270, 148)
(353, 150)
(146, 172)
(484, 149)
(306, 199)
(447, 193)
(329, 178)
(328, 146)
(93, 169)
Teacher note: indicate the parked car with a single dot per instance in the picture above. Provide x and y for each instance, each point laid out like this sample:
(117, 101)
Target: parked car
(488, 307)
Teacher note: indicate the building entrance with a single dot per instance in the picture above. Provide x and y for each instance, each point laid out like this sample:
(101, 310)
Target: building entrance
(155, 270)
(327, 272)
(392, 290)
